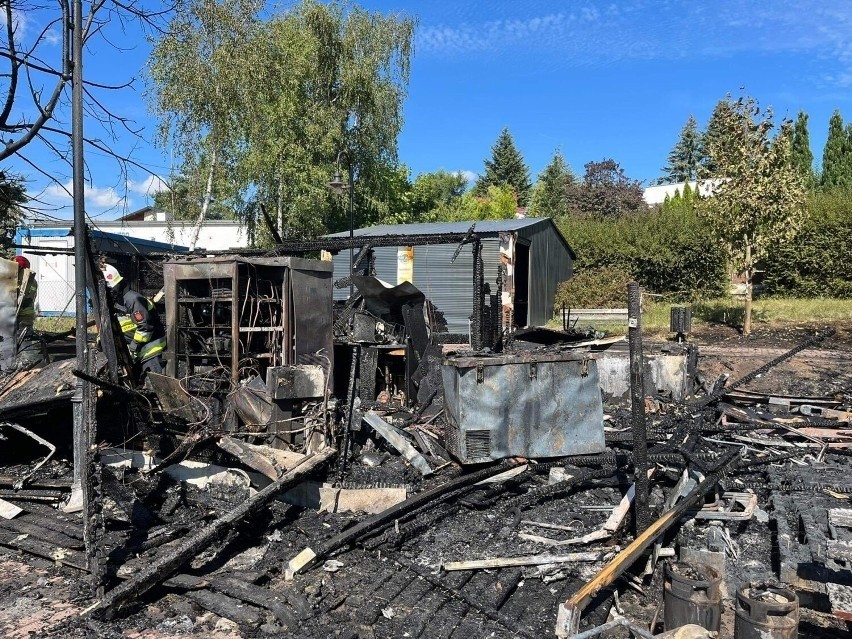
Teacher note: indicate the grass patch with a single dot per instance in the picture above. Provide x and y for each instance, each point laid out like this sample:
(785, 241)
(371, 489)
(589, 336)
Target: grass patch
(58, 324)
(770, 311)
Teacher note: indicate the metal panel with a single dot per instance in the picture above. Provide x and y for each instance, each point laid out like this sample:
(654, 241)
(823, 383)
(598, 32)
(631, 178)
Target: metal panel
(530, 406)
(550, 264)
(8, 312)
(449, 285)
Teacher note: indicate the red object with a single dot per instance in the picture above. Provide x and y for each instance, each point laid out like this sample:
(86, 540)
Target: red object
(22, 261)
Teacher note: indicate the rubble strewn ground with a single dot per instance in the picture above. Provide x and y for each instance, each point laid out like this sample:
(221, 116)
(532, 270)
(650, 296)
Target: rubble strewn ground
(389, 582)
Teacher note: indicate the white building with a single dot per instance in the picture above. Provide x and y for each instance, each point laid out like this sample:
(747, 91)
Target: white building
(655, 195)
(142, 232)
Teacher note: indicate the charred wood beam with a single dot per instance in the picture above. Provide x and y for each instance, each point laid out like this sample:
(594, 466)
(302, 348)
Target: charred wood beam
(637, 400)
(167, 564)
(429, 498)
(241, 590)
(20, 483)
(568, 619)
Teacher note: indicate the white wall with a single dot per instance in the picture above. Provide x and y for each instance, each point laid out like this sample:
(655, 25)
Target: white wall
(657, 194)
(214, 235)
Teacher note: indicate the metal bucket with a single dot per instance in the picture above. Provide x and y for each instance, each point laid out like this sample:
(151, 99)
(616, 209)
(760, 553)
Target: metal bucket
(766, 612)
(691, 596)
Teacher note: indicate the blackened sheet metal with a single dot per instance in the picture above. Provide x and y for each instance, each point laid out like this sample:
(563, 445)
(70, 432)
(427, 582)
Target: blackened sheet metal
(312, 316)
(383, 300)
(528, 405)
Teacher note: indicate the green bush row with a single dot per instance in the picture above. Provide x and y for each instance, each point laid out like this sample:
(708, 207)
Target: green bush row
(667, 250)
(816, 263)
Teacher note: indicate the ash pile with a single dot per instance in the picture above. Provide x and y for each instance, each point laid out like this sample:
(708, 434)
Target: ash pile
(301, 469)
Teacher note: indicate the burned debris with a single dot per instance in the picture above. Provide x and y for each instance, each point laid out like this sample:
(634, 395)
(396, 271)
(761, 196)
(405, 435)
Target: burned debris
(309, 468)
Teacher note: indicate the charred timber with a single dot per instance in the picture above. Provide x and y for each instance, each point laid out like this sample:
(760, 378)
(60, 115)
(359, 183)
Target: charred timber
(166, 565)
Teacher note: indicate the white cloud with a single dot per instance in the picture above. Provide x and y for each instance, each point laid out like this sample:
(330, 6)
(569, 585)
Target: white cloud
(20, 23)
(53, 37)
(149, 186)
(470, 176)
(102, 197)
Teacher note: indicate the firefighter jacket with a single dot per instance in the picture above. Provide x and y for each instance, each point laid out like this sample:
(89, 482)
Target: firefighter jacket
(27, 296)
(141, 325)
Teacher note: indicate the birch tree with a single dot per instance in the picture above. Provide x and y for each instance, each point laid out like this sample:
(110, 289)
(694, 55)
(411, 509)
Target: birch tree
(197, 71)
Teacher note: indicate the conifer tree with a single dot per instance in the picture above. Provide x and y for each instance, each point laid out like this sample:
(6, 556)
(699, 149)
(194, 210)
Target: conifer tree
(685, 157)
(834, 162)
(803, 158)
(550, 195)
(714, 136)
(506, 168)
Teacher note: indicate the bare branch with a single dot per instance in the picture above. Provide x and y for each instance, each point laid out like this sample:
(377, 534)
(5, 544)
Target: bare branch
(13, 81)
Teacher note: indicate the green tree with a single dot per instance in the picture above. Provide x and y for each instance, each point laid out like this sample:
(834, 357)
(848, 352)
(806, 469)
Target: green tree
(281, 100)
(714, 136)
(196, 71)
(834, 154)
(758, 197)
(436, 189)
(185, 196)
(606, 190)
(550, 194)
(685, 157)
(803, 157)
(325, 78)
(498, 203)
(13, 196)
(506, 167)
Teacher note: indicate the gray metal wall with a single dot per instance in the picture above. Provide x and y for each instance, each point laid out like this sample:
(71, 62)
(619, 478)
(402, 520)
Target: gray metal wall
(448, 285)
(550, 264)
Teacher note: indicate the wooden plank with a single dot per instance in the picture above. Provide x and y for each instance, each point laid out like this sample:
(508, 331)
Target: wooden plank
(529, 560)
(841, 600)
(9, 510)
(568, 616)
(225, 606)
(838, 549)
(840, 517)
(38, 532)
(62, 556)
(165, 565)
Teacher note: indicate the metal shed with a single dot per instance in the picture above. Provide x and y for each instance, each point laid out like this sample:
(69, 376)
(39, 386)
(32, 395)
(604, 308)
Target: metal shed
(539, 257)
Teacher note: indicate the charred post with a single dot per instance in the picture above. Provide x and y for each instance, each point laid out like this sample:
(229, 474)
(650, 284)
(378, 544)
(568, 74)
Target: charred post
(637, 397)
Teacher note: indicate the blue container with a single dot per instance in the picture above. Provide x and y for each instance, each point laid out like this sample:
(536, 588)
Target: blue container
(524, 405)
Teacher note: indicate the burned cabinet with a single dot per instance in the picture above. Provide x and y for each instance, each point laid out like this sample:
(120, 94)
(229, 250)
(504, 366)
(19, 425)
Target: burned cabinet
(238, 317)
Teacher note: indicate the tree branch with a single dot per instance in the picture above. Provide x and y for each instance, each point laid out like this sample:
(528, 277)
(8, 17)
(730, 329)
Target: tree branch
(13, 81)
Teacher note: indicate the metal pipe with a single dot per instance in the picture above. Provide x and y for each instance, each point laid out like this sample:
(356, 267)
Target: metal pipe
(81, 387)
(637, 397)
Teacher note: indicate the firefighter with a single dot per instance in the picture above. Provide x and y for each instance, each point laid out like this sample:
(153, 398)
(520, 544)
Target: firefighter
(140, 323)
(29, 351)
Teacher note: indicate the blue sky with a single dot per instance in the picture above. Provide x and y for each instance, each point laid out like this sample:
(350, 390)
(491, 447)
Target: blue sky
(594, 79)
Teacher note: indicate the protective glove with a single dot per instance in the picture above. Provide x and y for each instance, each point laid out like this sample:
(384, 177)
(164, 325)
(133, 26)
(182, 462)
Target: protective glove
(133, 346)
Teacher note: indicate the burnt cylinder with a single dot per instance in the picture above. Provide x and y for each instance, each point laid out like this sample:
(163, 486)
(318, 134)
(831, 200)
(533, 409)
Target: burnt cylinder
(691, 595)
(765, 611)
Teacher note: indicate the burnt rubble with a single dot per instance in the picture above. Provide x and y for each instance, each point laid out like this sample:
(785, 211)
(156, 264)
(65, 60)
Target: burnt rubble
(376, 476)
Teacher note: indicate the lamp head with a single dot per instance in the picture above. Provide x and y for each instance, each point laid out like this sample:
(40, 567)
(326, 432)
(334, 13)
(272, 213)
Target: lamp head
(337, 185)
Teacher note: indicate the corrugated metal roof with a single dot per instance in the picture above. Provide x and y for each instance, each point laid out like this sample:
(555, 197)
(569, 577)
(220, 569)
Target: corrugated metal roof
(482, 227)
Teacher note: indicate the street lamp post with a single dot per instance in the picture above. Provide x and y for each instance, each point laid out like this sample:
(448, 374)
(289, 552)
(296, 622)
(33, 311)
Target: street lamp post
(338, 186)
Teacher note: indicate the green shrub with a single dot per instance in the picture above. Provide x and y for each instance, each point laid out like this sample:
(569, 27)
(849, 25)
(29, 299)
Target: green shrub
(604, 287)
(816, 262)
(667, 250)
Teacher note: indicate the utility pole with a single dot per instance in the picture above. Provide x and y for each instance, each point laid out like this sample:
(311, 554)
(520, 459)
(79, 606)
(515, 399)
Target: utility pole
(75, 504)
